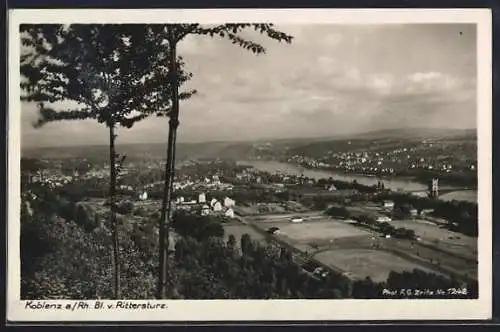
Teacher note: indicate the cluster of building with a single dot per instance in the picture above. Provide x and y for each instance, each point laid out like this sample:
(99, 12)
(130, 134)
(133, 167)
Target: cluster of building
(52, 180)
(278, 179)
(209, 183)
(205, 207)
(96, 174)
(387, 162)
(388, 206)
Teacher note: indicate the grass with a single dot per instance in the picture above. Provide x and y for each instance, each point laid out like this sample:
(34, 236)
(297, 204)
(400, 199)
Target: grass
(270, 209)
(326, 229)
(360, 263)
(334, 240)
(239, 229)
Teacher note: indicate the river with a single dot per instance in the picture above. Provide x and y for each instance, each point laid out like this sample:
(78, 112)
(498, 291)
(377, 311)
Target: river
(395, 184)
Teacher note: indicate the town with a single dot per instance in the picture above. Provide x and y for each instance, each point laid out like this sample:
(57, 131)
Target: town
(329, 226)
(452, 158)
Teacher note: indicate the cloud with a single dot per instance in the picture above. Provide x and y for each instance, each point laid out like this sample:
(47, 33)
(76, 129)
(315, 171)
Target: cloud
(422, 77)
(331, 79)
(332, 39)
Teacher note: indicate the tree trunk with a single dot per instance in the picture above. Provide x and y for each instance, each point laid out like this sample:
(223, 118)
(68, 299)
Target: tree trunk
(112, 205)
(166, 208)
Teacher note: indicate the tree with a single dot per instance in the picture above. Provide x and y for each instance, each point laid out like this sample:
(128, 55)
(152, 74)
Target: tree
(231, 242)
(198, 227)
(114, 74)
(245, 244)
(174, 35)
(125, 207)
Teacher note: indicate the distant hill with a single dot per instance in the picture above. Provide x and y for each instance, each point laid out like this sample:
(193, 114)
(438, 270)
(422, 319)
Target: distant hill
(415, 133)
(383, 133)
(144, 150)
(382, 139)
(242, 150)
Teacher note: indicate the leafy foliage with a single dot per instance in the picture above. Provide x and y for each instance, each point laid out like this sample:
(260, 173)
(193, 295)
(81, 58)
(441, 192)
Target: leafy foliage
(198, 227)
(174, 34)
(115, 73)
(462, 216)
(63, 258)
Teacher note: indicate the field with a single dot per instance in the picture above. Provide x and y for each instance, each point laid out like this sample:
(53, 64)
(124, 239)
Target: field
(362, 252)
(319, 230)
(442, 238)
(270, 208)
(284, 218)
(360, 263)
(238, 230)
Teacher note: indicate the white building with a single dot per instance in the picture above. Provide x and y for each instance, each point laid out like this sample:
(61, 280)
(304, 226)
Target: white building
(388, 205)
(426, 212)
(217, 207)
(332, 188)
(212, 202)
(143, 196)
(180, 199)
(202, 198)
(229, 213)
(228, 202)
(384, 219)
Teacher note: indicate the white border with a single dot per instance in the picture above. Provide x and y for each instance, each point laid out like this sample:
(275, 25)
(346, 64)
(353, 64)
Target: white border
(231, 310)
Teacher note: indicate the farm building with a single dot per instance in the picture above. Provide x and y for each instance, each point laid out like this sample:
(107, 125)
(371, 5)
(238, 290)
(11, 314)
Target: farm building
(229, 213)
(384, 219)
(389, 205)
(228, 202)
(143, 196)
(217, 207)
(202, 198)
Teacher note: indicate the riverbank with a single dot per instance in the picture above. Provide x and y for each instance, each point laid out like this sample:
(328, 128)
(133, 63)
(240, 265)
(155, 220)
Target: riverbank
(394, 184)
(444, 181)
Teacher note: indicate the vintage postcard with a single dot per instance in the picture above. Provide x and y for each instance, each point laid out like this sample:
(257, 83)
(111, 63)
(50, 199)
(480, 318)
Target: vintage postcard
(249, 165)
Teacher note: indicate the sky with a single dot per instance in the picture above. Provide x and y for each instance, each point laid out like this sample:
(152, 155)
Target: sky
(332, 80)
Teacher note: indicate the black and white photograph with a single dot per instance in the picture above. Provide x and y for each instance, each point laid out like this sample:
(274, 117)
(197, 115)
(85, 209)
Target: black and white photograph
(253, 155)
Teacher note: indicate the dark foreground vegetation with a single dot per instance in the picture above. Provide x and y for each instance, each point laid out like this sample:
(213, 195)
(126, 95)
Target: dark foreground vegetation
(66, 253)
